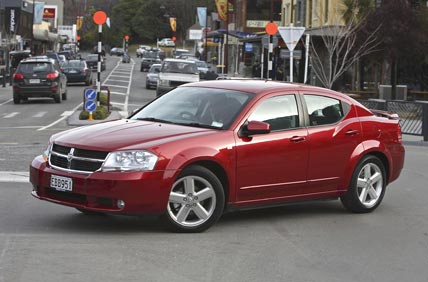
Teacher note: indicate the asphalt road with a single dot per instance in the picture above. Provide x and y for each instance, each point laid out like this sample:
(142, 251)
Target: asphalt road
(319, 241)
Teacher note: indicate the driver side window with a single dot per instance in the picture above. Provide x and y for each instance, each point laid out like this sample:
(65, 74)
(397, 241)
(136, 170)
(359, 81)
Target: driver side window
(279, 111)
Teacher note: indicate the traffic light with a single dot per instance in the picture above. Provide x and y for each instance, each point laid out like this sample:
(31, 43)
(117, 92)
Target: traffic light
(174, 38)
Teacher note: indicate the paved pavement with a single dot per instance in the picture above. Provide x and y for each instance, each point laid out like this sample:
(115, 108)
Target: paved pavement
(74, 120)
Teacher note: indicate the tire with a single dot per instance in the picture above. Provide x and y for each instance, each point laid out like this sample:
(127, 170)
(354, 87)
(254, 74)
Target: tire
(196, 200)
(57, 98)
(16, 99)
(367, 187)
(64, 95)
(147, 86)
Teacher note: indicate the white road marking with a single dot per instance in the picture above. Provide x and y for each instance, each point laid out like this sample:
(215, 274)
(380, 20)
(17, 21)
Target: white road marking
(14, 176)
(11, 115)
(60, 119)
(118, 93)
(124, 76)
(118, 80)
(10, 100)
(67, 113)
(111, 85)
(39, 114)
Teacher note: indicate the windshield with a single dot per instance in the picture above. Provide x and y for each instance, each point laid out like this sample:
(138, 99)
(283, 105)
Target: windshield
(179, 67)
(151, 55)
(35, 67)
(195, 106)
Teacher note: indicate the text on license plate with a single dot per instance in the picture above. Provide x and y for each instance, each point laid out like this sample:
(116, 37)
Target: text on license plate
(34, 80)
(61, 183)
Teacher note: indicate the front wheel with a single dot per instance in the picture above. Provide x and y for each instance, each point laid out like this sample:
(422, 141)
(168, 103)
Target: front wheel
(196, 200)
(367, 187)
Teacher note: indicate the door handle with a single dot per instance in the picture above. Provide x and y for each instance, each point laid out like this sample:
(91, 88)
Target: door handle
(297, 139)
(352, 132)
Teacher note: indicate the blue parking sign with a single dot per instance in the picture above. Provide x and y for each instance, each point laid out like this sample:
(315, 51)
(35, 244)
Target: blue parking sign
(90, 94)
(90, 106)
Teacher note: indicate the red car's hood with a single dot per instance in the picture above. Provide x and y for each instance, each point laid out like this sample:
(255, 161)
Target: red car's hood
(125, 134)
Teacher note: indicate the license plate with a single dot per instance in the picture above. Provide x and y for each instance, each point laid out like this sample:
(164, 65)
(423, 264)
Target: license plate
(33, 80)
(73, 71)
(61, 183)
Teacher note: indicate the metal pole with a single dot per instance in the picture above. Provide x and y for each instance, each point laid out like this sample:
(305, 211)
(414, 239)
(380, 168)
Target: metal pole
(306, 58)
(262, 63)
(270, 56)
(100, 29)
(206, 33)
(291, 66)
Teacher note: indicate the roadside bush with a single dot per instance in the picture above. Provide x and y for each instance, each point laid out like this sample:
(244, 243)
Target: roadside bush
(100, 113)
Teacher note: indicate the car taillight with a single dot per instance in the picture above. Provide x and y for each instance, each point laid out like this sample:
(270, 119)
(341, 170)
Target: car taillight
(18, 76)
(52, 75)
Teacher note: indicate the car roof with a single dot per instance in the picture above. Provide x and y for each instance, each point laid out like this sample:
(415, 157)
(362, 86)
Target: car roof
(38, 59)
(179, 61)
(257, 86)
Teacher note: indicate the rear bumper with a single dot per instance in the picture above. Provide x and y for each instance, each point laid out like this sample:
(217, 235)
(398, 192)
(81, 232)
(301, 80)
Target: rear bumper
(46, 91)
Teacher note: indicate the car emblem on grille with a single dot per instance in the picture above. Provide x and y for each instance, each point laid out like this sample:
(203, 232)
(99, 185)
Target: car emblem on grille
(69, 158)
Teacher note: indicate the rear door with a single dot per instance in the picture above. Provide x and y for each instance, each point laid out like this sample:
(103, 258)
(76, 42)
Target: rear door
(334, 133)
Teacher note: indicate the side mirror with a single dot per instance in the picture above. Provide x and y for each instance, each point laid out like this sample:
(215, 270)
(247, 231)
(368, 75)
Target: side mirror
(255, 127)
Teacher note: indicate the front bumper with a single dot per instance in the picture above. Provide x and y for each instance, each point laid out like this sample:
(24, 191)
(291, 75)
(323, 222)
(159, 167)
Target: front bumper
(142, 192)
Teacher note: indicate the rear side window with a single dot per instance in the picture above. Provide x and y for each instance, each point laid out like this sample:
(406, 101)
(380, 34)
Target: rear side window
(279, 111)
(323, 110)
(35, 67)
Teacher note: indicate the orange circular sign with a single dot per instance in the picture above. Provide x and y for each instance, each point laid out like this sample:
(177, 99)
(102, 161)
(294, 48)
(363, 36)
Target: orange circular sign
(99, 17)
(126, 37)
(78, 37)
(271, 28)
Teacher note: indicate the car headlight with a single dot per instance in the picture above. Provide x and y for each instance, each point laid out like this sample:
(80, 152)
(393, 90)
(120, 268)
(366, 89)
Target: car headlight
(130, 161)
(47, 152)
(163, 82)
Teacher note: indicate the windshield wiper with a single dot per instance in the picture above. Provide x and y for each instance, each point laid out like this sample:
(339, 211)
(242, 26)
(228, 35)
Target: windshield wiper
(201, 125)
(154, 119)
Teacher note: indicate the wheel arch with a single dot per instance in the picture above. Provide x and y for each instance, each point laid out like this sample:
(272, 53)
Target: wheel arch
(219, 171)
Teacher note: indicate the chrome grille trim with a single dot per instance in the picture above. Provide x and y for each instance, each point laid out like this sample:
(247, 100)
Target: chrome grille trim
(66, 160)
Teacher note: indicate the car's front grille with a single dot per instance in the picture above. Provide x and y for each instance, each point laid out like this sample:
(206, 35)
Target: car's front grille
(75, 159)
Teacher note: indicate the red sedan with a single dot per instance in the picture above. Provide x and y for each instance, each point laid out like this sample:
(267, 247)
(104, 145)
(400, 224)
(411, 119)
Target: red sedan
(209, 147)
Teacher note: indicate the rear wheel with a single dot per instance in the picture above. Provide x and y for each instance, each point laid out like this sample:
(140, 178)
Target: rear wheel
(196, 200)
(367, 187)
